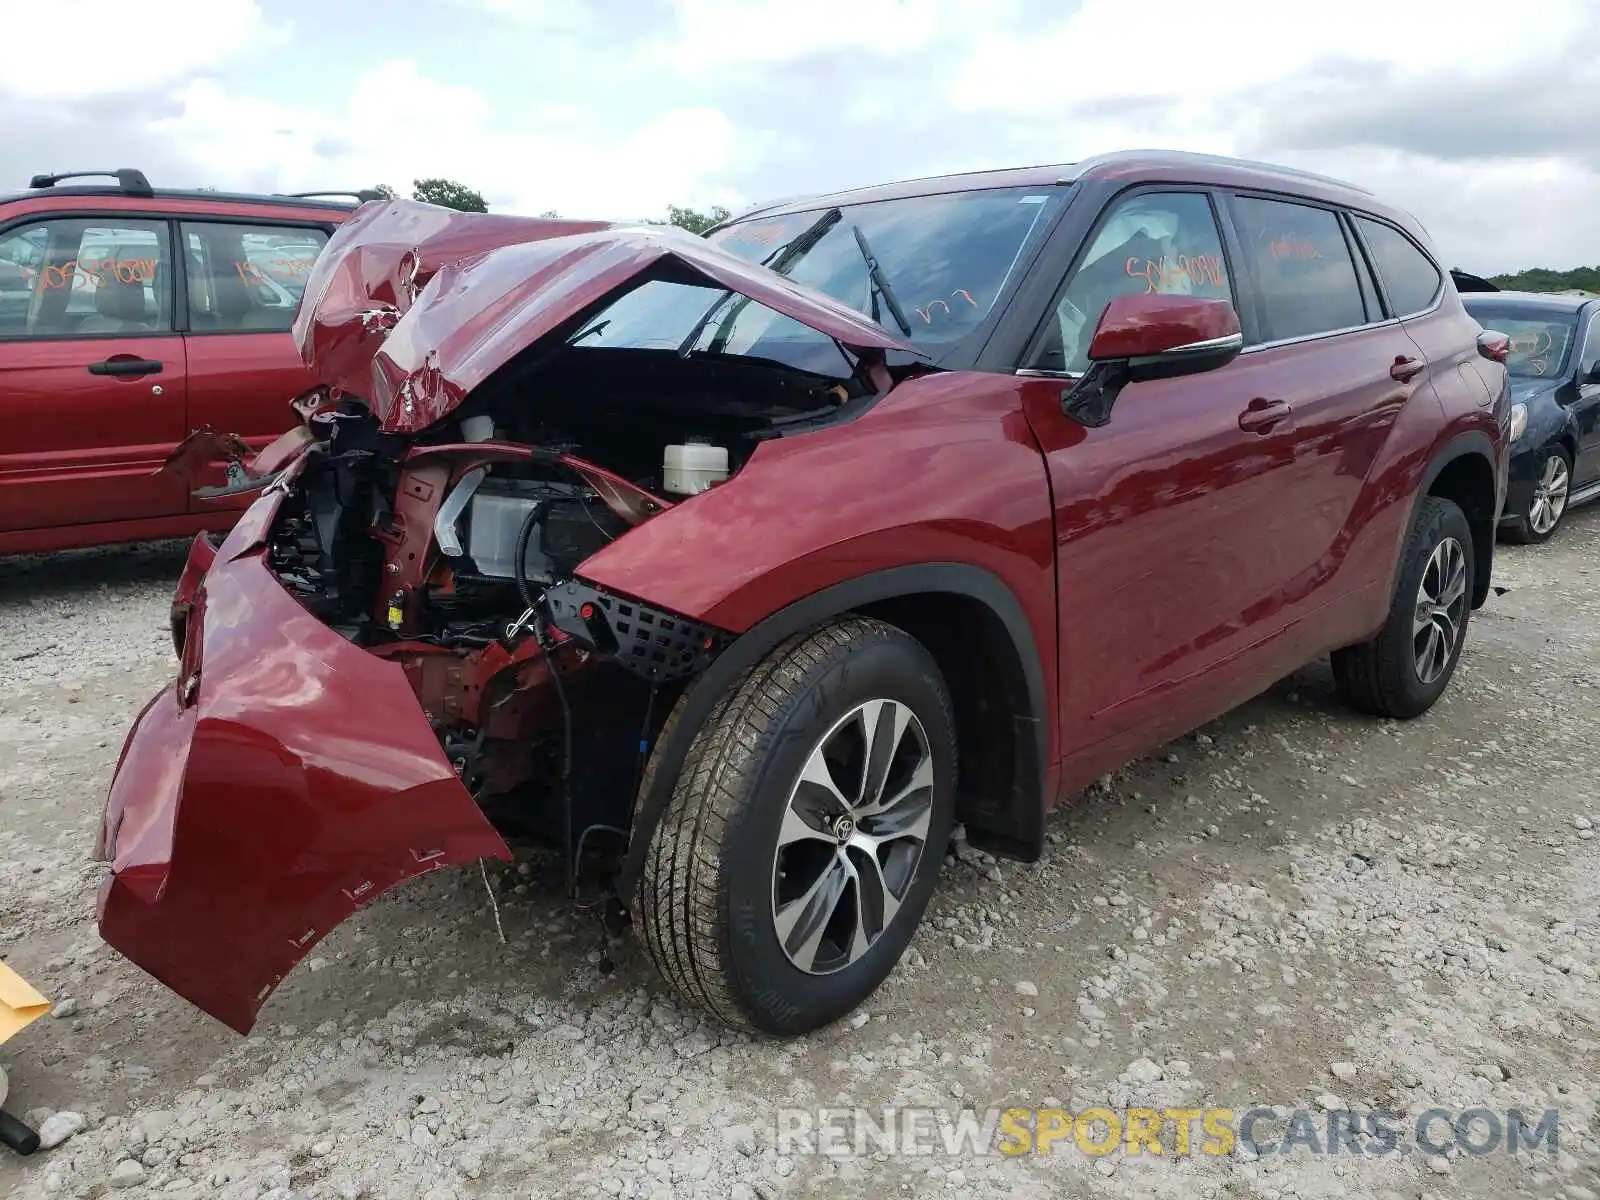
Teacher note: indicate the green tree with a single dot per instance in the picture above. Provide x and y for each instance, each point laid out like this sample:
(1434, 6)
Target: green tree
(387, 192)
(694, 222)
(449, 193)
(1546, 279)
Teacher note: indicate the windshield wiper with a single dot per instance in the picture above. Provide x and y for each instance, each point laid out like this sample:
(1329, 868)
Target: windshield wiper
(785, 256)
(880, 285)
(781, 260)
(597, 327)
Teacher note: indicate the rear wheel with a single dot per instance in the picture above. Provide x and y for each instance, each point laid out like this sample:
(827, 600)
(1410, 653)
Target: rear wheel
(805, 830)
(1552, 482)
(1402, 671)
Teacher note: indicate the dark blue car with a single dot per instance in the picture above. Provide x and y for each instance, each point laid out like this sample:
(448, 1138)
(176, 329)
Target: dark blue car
(1555, 415)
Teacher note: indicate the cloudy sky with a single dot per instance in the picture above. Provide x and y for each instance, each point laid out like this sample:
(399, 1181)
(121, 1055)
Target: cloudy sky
(1481, 116)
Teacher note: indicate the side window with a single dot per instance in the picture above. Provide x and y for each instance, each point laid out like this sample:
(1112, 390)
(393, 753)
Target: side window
(83, 277)
(1163, 242)
(246, 278)
(21, 256)
(1369, 294)
(1409, 276)
(1591, 348)
(1305, 278)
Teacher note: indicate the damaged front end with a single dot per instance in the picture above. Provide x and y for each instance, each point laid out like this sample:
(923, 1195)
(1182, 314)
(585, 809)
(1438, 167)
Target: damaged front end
(394, 662)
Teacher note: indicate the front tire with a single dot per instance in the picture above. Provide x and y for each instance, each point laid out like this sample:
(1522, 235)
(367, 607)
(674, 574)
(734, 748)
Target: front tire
(1547, 504)
(805, 830)
(1402, 671)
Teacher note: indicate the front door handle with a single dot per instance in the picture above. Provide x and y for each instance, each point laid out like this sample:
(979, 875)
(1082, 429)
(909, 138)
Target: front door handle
(1406, 369)
(126, 364)
(1264, 416)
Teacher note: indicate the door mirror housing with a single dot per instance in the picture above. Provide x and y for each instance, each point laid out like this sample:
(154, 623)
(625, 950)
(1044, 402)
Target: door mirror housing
(1185, 333)
(1592, 375)
(1152, 336)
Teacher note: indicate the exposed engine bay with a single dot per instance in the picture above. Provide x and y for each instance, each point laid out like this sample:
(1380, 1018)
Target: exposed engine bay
(456, 554)
(445, 538)
(438, 635)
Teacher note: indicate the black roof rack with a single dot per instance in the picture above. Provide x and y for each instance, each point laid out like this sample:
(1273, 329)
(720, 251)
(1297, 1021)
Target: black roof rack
(131, 181)
(364, 195)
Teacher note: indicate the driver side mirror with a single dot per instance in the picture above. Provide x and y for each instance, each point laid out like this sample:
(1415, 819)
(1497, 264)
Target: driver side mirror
(1592, 375)
(1152, 336)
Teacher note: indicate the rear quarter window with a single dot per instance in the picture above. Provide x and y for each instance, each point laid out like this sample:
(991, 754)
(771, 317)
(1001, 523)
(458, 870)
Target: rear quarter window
(1409, 276)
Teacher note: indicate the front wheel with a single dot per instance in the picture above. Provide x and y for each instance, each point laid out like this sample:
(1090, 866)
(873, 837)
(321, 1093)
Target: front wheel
(1402, 671)
(805, 830)
(1552, 482)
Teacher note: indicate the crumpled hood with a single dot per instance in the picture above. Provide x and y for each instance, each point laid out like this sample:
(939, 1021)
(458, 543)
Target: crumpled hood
(411, 306)
(373, 269)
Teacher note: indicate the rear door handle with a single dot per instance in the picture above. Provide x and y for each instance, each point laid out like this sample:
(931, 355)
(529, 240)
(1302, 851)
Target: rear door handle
(1406, 369)
(1263, 416)
(118, 365)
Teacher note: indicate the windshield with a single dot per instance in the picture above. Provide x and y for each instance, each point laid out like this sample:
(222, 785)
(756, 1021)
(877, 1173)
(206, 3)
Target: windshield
(942, 261)
(1540, 340)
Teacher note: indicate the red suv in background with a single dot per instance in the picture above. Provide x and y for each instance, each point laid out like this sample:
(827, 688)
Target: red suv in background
(740, 568)
(115, 346)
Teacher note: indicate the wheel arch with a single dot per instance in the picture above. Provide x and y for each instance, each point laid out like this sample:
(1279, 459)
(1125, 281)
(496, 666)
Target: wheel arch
(975, 629)
(1567, 439)
(1463, 472)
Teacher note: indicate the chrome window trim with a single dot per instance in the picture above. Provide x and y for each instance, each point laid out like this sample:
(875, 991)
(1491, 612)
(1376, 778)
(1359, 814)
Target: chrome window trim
(1217, 343)
(1225, 342)
(1317, 337)
(1356, 217)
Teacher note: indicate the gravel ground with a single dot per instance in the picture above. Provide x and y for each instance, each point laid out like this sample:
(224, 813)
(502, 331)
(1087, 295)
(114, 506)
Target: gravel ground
(1296, 906)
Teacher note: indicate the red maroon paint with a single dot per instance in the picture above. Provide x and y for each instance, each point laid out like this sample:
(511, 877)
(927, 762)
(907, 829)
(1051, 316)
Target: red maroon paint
(421, 340)
(1234, 517)
(280, 727)
(92, 473)
(1142, 326)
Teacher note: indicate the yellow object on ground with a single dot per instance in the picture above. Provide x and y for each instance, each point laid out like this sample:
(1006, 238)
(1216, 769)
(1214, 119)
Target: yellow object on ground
(20, 1005)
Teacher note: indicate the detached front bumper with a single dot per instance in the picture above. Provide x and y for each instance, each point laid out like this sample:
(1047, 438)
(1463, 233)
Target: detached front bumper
(282, 781)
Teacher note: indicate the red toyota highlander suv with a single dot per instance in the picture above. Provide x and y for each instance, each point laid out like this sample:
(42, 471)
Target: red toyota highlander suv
(742, 568)
(114, 346)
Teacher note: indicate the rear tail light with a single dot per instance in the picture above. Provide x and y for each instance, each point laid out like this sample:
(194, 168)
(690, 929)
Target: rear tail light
(1494, 345)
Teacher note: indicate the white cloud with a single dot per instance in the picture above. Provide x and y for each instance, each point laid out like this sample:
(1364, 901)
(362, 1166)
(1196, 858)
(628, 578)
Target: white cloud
(1251, 77)
(1484, 217)
(625, 108)
(398, 124)
(111, 47)
(749, 34)
(1136, 49)
(545, 15)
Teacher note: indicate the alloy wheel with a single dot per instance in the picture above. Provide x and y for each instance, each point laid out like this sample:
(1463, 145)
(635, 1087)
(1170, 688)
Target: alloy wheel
(853, 835)
(1441, 605)
(1549, 495)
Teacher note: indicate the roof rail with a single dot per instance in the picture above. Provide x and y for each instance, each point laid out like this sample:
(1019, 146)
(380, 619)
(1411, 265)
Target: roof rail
(364, 195)
(1215, 160)
(131, 181)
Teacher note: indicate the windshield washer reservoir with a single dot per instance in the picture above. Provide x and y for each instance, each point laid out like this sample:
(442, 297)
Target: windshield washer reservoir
(691, 468)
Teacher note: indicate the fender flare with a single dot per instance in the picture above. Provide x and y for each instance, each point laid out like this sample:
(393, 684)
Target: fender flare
(962, 579)
(1473, 443)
